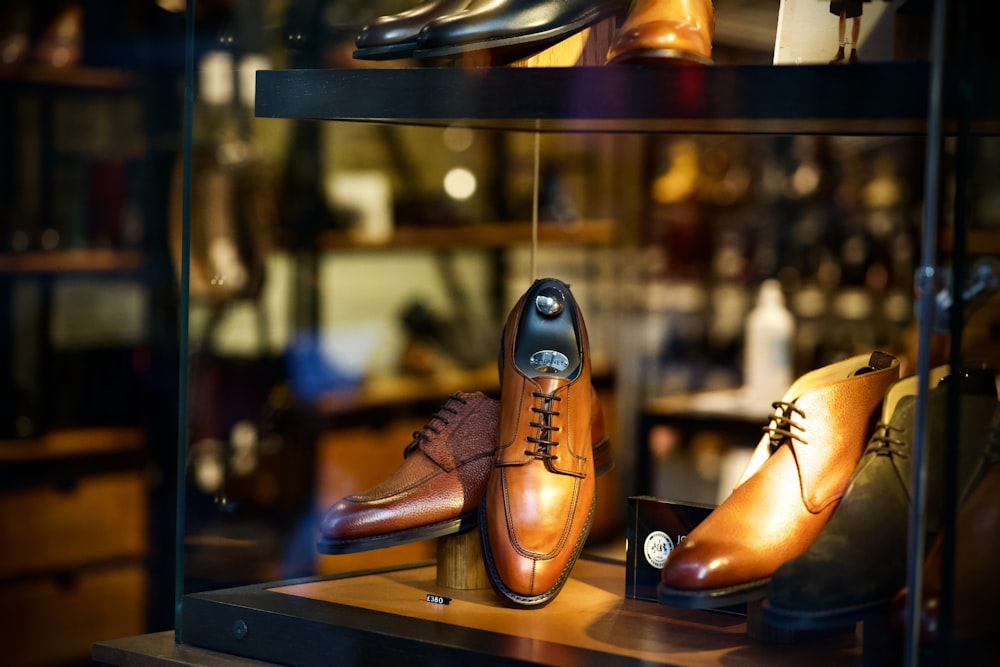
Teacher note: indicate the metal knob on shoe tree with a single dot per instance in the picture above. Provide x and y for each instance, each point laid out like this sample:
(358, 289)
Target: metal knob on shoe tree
(550, 302)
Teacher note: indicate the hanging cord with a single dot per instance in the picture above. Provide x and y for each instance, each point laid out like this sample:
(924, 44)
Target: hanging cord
(534, 202)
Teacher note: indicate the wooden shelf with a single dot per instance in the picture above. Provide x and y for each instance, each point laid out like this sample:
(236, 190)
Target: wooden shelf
(105, 78)
(389, 390)
(727, 405)
(499, 235)
(68, 443)
(876, 98)
(68, 261)
(377, 392)
(979, 242)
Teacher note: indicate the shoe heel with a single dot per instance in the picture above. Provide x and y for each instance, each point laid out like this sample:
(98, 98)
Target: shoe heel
(603, 461)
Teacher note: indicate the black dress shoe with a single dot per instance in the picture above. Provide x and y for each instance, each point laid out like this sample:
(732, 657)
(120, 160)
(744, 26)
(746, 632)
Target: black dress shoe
(395, 36)
(512, 29)
(858, 563)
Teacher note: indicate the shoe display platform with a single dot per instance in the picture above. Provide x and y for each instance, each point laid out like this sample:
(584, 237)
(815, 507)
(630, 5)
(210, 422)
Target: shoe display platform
(382, 616)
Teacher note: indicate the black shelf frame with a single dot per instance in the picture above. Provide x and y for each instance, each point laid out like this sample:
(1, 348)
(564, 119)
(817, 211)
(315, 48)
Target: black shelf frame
(864, 99)
(257, 622)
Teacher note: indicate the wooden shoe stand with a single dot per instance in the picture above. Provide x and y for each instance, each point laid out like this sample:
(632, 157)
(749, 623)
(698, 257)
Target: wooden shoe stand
(460, 562)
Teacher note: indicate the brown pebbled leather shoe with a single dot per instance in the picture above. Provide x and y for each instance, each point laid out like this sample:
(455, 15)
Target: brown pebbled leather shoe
(436, 490)
(665, 30)
(794, 481)
(539, 501)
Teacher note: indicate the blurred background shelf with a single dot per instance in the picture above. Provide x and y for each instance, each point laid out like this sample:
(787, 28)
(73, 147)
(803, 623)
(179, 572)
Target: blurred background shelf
(65, 261)
(64, 443)
(78, 76)
(494, 235)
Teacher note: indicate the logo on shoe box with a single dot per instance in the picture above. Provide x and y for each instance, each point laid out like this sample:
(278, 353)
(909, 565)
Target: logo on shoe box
(657, 547)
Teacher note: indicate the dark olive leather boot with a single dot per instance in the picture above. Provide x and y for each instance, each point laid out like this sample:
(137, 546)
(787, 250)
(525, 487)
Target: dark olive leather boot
(858, 563)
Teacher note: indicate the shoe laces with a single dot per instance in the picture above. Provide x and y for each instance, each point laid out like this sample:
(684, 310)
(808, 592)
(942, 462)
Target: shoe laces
(545, 428)
(883, 444)
(779, 427)
(424, 434)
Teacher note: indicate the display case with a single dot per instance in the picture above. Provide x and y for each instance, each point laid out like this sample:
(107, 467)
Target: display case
(353, 236)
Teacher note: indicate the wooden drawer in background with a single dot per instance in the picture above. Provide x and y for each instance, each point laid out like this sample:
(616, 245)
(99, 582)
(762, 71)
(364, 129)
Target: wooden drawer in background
(49, 528)
(55, 620)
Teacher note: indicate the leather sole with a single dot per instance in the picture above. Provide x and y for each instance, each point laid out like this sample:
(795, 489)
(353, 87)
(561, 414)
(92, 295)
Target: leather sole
(542, 599)
(712, 598)
(603, 462)
(396, 51)
(805, 620)
(491, 54)
(463, 523)
(512, 48)
(658, 56)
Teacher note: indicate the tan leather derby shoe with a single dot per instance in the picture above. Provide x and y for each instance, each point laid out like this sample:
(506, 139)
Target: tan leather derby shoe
(658, 30)
(437, 488)
(539, 500)
(795, 479)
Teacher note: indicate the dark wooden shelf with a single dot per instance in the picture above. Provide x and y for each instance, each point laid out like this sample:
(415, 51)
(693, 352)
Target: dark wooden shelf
(877, 98)
(69, 443)
(66, 261)
(499, 235)
(103, 78)
(71, 453)
(389, 390)
(979, 242)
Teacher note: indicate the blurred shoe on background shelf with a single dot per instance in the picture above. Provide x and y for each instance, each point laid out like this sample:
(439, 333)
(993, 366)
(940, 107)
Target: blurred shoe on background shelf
(61, 43)
(665, 31)
(395, 35)
(511, 29)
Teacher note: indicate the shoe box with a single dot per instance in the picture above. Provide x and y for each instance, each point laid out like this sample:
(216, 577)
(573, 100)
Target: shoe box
(655, 527)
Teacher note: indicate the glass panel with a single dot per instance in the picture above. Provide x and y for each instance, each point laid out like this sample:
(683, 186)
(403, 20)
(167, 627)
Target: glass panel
(356, 244)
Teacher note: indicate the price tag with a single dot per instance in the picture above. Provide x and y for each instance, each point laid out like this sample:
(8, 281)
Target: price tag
(438, 599)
